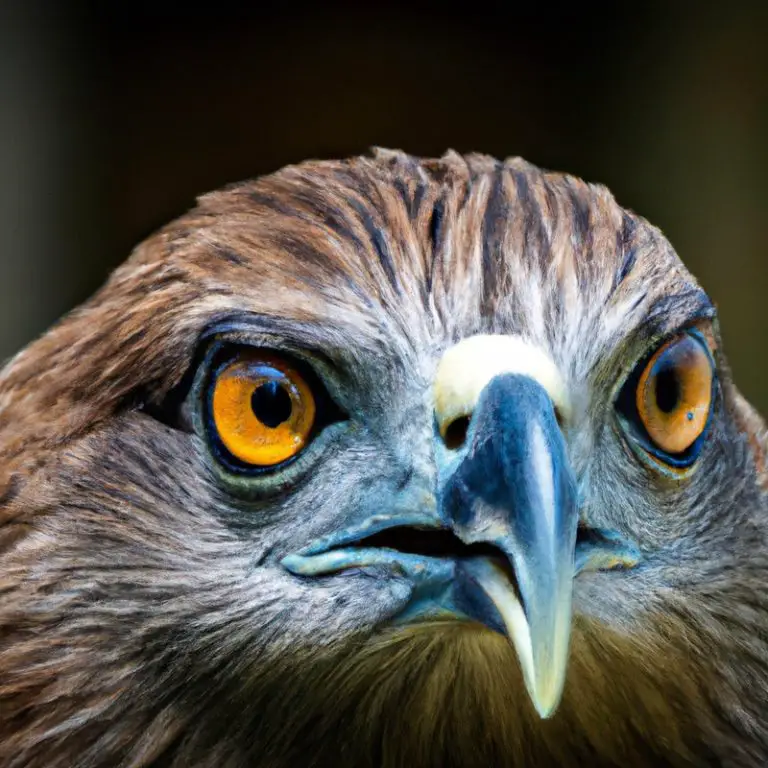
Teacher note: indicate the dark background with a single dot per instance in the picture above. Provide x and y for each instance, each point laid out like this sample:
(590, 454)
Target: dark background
(114, 116)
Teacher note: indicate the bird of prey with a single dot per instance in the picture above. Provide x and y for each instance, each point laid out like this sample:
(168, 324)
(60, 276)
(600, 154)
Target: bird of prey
(385, 462)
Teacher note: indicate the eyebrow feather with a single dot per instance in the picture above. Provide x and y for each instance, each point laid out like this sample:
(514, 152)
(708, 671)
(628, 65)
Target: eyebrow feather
(680, 309)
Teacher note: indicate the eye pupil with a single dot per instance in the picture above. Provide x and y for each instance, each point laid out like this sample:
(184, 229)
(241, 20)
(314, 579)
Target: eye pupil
(271, 404)
(667, 391)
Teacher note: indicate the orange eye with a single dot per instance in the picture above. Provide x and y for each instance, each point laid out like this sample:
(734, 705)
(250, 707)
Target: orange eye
(263, 409)
(674, 394)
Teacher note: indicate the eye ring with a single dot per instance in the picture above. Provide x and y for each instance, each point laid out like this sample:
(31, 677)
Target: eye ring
(262, 411)
(666, 403)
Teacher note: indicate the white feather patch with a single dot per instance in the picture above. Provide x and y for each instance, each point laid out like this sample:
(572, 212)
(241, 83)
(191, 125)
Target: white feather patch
(466, 368)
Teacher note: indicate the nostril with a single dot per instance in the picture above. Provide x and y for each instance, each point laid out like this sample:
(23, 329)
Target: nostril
(456, 433)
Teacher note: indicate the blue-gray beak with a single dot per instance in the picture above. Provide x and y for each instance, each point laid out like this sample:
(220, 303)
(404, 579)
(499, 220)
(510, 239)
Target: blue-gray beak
(514, 489)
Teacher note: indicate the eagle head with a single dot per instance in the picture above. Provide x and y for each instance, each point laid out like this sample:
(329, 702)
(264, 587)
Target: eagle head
(385, 462)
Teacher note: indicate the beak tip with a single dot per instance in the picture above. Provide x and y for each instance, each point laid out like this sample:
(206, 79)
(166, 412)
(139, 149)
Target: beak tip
(546, 702)
(546, 712)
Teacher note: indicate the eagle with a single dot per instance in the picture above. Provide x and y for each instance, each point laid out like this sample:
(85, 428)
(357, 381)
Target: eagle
(385, 462)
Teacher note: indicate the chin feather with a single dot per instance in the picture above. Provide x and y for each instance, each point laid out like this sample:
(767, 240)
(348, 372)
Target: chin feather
(450, 694)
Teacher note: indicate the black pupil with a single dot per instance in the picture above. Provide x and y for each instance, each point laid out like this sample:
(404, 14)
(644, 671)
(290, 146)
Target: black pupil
(667, 390)
(271, 404)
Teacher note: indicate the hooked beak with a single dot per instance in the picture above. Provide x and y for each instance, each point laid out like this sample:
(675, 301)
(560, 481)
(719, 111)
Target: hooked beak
(515, 489)
(510, 506)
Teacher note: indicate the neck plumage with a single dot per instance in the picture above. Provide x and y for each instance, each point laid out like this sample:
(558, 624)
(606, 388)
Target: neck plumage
(452, 695)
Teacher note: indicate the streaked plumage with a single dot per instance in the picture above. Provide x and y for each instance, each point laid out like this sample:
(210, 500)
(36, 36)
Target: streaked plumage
(144, 616)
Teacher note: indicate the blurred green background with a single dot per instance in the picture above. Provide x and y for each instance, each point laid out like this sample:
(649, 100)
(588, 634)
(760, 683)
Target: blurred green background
(116, 115)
